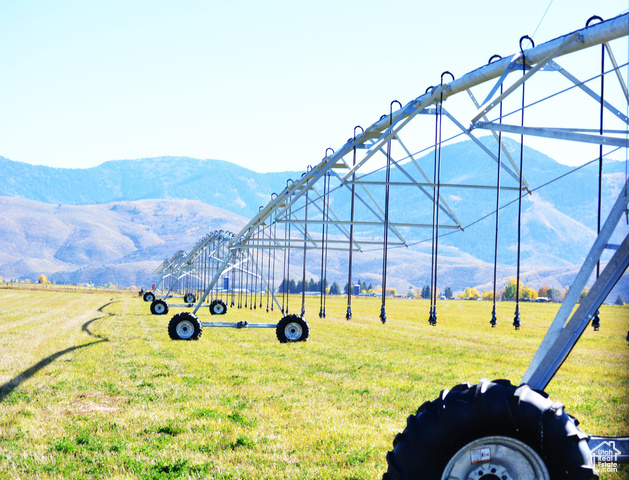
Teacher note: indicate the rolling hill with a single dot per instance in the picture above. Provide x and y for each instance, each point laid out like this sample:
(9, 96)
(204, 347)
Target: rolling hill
(119, 242)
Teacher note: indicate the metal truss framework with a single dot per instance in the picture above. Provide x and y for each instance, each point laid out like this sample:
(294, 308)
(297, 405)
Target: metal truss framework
(345, 200)
(320, 210)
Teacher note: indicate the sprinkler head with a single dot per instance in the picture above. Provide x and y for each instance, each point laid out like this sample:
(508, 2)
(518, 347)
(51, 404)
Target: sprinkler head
(516, 319)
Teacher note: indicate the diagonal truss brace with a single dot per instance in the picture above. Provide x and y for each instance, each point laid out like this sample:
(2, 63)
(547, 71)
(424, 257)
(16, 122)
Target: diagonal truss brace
(561, 337)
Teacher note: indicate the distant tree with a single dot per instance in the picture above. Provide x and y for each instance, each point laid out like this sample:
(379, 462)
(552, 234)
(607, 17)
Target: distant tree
(292, 286)
(426, 292)
(554, 295)
(528, 294)
(543, 291)
(487, 295)
(43, 279)
(585, 291)
(471, 293)
(409, 294)
(617, 302)
(335, 289)
(509, 293)
(449, 294)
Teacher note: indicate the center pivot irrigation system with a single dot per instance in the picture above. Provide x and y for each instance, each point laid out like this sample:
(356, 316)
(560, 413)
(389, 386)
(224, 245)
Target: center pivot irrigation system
(568, 91)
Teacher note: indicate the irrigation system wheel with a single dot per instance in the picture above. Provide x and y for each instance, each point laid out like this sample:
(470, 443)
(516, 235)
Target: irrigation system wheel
(189, 298)
(148, 296)
(159, 307)
(292, 328)
(218, 307)
(185, 326)
(490, 431)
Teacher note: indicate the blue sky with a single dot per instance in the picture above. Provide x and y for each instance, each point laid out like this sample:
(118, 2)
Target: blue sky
(267, 85)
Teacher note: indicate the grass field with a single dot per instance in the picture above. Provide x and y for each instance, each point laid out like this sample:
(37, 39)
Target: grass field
(92, 387)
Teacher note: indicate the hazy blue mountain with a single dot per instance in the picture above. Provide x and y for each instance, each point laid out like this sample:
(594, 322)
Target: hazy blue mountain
(214, 182)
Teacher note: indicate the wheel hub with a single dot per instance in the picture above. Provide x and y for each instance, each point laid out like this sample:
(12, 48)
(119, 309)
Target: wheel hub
(293, 332)
(185, 329)
(495, 458)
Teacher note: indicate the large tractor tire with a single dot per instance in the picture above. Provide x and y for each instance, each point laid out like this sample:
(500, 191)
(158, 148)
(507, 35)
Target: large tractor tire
(189, 298)
(490, 431)
(218, 307)
(292, 328)
(148, 296)
(185, 326)
(159, 307)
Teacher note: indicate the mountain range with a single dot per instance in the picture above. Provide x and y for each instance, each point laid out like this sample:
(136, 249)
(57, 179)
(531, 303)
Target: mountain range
(214, 182)
(116, 222)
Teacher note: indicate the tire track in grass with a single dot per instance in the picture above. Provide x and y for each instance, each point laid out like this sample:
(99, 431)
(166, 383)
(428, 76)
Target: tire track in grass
(56, 323)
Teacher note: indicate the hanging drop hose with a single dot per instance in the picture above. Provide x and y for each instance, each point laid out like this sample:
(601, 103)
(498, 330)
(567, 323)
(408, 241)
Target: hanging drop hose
(272, 283)
(494, 321)
(284, 262)
(233, 284)
(269, 281)
(261, 279)
(256, 280)
(431, 313)
(323, 242)
(434, 291)
(290, 216)
(321, 288)
(596, 321)
(348, 314)
(385, 246)
(327, 230)
(516, 318)
(240, 278)
(247, 275)
(303, 276)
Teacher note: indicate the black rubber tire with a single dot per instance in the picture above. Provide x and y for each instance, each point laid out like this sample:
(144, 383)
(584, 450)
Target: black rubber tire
(159, 307)
(185, 326)
(468, 412)
(148, 296)
(218, 307)
(189, 298)
(292, 328)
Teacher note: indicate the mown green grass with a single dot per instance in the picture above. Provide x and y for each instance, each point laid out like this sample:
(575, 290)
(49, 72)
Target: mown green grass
(94, 388)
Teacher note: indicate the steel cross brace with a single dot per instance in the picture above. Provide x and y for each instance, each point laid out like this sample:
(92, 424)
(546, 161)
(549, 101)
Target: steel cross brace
(561, 337)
